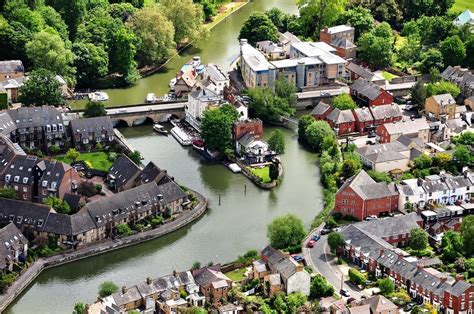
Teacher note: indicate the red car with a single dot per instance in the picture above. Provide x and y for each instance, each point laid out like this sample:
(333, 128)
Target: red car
(311, 243)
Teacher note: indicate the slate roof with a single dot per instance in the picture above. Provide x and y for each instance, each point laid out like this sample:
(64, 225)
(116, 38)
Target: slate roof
(6, 123)
(432, 186)
(390, 226)
(457, 182)
(27, 117)
(81, 222)
(10, 237)
(386, 112)
(368, 244)
(444, 99)
(320, 109)
(407, 141)
(288, 37)
(366, 187)
(123, 170)
(95, 125)
(138, 199)
(364, 88)
(363, 114)
(205, 95)
(407, 127)
(215, 73)
(58, 223)
(383, 152)
(20, 169)
(53, 173)
(210, 275)
(10, 66)
(151, 173)
(279, 262)
(363, 72)
(73, 200)
(131, 295)
(341, 116)
(8, 151)
(23, 213)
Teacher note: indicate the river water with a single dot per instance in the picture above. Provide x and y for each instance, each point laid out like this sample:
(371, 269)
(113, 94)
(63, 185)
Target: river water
(224, 232)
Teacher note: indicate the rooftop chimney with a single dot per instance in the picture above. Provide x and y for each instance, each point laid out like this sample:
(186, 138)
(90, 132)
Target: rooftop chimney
(148, 280)
(124, 289)
(459, 277)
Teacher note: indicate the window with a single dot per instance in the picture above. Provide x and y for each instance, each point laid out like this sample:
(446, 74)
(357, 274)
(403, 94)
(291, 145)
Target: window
(344, 201)
(25, 189)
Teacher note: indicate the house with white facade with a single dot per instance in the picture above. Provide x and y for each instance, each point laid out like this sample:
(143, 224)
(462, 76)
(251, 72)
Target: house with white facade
(215, 79)
(199, 101)
(253, 149)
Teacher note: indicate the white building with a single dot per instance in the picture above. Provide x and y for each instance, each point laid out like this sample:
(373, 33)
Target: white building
(467, 17)
(253, 149)
(199, 101)
(215, 79)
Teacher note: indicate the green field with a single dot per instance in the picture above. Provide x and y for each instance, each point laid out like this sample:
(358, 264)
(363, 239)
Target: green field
(263, 173)
(237, 275)
(461, 5)
(98, 160)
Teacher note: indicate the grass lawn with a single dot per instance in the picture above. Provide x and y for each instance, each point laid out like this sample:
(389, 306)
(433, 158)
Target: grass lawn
(98, 160)
(263, 173)
(461, 5)
(237, 275)
(388, 76)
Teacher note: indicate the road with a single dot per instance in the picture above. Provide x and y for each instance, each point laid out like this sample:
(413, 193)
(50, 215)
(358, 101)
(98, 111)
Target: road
(136, 109)
(323, 262)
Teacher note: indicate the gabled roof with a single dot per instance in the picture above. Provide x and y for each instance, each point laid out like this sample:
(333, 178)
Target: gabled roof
(254, 58)
(383, 228)
(363, 72)
(383, 152)
(386, 111)
(152, 173)
(320, 109)
(123, 170)
(364, 88)
(407, 127)
(10, 66)
(464, 18)
(95, 125)
(367, 188)
(363, 114)
(279, 262)
(211, 276)
(27, 117)
(10, 238)
(444, 99)
(379, 304)
(205, 95)
(341, 116)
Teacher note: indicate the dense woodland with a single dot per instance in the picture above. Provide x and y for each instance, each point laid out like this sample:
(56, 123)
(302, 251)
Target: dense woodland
(99, 42)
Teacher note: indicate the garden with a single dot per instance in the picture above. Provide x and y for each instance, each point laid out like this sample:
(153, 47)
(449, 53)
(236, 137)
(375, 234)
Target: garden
(96, 160)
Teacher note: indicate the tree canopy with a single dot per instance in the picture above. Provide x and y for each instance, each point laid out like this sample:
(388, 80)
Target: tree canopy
(286, 231)
(258, 27)
(41, 88)
(276, 141)
(94, 109)
(344, 102)
(216, 127)
(107, 288)
(418, 239)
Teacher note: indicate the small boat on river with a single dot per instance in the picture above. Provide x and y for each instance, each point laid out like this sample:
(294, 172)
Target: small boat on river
(98, 96)
(160, 129)
(150, 98)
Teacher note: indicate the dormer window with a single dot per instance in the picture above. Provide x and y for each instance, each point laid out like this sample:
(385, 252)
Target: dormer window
(25, 180)
(16, 178)
(8, 177)
(19, 219)
(44, 184)
(48, 128)
(61, 128)
(39, 223)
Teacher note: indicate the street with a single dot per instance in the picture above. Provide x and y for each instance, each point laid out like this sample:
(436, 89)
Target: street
(323, 262)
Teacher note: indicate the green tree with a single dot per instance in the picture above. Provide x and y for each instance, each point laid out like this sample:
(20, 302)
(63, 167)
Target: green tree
(316, 14)
(79, 308)
(187, 18)
(107, 288)
(358, 17)
(357, 277)
(432, 58)
(196, 265)
(296, 300)
(386, 286)
(72, 12)
(379, 176)
(122, 55)
(7, 192)
(54, 20)
(94, 109)
(344, 102)
(268, 107)
(156, 34)
(376, 47)
(3, 100)
(453, 50)
(462, 156)
(276, 141)
(124, 229)
(335, 240)
(136, 157)
(452, 245)
(388, 11)
(316, 132)
(274, 172)
(467, 234)
(73, 154)
(57, 204)
(258, 27)
(48, 51)
(91, 62)
(41, 88)
(469, 60)
(422, 162)
(303, 123)
(418, 239)
(279, 304)
(349, 168)
(54, 149)
(216, 127)
(209, 9)
(418, 93)
(279, 18)
(320, 287)
(286, 90)
(286, 231)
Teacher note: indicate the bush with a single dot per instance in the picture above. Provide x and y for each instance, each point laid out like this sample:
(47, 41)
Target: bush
(87, 188)
(98, 188)
(386, 286)
(99, 146)
(357, 277)
(139, 227)
(54, 149)
(158, 220)
(124, 229)
(320, 287)
(107, 288)
(112, 156)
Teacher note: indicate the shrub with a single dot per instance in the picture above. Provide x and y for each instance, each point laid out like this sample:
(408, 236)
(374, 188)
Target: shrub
(99, 146)
(54, 149)
(98, 188)
(87, 188)
(124, 229)
(139, 227)
(107, 288)
(386, 286)
(112, 156)
(357, 277)
(158, 220)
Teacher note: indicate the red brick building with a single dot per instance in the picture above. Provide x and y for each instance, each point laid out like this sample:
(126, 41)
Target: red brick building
(386, 114)
(254, 126)
(342, 121)
(360, 197)
(321, 111)
(364, 120)
(369, 94)
(341, 38)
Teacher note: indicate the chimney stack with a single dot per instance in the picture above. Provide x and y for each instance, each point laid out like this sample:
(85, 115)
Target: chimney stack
(148, 280)
(459, 277)
(124, 289)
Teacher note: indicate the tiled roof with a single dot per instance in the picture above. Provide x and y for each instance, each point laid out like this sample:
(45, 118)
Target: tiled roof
(95, 125)
(277, 261)
(209, 275)
(341, 116)
(366, 187)
(123, 170)
(363, 114)
(386, 112)
(11, 66)
(380, 304)
(391, 226)
(320, 109)
(407, 127)
(444, 99)
(366, 89)
(383, 152)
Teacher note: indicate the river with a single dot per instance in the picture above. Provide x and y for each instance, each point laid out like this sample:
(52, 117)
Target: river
(224, 232)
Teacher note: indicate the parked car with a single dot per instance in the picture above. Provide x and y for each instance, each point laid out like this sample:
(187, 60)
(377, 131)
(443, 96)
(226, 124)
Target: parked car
(311, 243)
(345, 293)
(315, 237)
(325, 231)
(409, 306)
(297, 257)
(371, 217)
(336, 229)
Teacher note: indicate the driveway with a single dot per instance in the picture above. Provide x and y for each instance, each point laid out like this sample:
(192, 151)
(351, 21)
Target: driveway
(320, 259)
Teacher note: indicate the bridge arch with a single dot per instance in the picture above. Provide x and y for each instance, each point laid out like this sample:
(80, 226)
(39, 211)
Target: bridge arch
(120, 123)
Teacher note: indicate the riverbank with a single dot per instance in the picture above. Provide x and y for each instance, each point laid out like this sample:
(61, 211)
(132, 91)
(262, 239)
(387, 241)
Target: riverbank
(35, 269)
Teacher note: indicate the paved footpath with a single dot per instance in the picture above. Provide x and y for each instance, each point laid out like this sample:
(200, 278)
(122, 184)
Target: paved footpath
(29, 275)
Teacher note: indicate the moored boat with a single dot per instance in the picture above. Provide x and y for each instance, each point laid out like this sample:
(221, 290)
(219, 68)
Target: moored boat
(150, 97)
(181, 136)
(160, 129)
(98, 96)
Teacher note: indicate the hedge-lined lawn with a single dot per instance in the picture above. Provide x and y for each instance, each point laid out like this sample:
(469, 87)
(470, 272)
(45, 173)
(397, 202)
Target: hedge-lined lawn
(237, 275)
(98, 160)
(263, 173)
(461, 5)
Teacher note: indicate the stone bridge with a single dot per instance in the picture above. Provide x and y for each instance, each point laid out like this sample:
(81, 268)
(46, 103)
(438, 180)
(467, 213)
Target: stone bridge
(136, 115)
